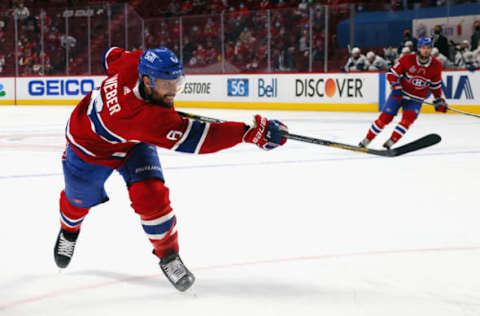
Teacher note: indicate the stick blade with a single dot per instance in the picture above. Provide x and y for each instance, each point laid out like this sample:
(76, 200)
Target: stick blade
(423, 142)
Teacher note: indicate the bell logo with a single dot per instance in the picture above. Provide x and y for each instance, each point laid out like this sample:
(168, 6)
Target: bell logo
(453, 90)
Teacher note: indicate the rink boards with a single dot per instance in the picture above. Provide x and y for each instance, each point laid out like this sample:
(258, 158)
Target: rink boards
(352, 92)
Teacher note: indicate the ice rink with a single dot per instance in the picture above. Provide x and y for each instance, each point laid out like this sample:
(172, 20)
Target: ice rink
(301, 230)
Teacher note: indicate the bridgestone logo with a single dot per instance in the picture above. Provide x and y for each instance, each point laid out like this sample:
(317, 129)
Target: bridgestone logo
(197, 88)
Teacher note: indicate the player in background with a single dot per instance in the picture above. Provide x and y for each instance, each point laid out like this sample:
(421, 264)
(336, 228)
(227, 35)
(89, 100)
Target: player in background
(375, 62)
(117, 126)
(356, 62)
(412, 76)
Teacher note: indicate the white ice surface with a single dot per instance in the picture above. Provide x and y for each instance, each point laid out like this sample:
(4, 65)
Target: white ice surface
(302, 230)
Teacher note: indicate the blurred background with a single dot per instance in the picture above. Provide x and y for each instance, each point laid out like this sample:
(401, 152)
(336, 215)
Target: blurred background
(52, 37)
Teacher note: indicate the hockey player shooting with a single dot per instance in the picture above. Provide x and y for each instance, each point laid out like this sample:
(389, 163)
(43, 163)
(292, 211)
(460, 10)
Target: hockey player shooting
(410, 78)
(117, 126)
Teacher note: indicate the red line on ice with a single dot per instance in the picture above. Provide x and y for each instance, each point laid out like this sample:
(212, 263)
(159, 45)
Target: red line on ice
(63, 292)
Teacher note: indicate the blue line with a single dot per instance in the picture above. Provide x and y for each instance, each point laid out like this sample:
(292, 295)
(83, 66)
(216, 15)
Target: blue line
(267, 163)
(381, 90)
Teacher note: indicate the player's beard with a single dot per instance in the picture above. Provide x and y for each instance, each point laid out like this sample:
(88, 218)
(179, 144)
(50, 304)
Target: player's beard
(423, 59)
(165, 100)
(157, 99)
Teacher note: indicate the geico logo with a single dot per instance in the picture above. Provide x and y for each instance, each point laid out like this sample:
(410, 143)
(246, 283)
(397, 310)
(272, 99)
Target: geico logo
(455, 91)
(349, 87)
(60, 87)
(197, 88)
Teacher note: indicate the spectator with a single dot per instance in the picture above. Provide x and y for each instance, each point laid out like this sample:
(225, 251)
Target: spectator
(188, 50)
(243, 11)
(210, 54)
(281, 4)
(264, 5)
(356, 62)
(287, 59)
(68, 41)
(246, 36)
(197, 6)
(447, 64)
(2, 63)
(21, 12)
(276, 58)
(440, 41)
(186, 7)
(303, 45)
(407, 36)
(475, 39)
(199, 56)
(375, 62)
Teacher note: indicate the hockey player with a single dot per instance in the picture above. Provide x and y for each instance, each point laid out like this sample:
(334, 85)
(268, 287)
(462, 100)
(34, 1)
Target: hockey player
(375, 62)
(117, 126)
(412, 76)
(356, 62)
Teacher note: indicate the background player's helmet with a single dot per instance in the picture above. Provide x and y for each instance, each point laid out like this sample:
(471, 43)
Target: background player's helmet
(160, 63)
(424, 41)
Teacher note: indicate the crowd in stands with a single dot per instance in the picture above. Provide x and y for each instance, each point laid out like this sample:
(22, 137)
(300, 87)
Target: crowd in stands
(193, 29)
(463, 55)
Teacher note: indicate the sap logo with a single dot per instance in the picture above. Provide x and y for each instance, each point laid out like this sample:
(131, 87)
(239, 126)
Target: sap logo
(268, 90)
(455, 91)
(237, 87)
(60, 87)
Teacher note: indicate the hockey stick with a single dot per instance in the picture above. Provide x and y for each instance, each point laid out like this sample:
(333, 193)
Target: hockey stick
(448, 108)
(423, 142)
(455, 110)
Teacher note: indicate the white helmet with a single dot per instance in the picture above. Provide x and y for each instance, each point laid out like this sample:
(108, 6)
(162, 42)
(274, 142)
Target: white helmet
(435, 51)
(409, 43)
(370, 55)
(356, 50)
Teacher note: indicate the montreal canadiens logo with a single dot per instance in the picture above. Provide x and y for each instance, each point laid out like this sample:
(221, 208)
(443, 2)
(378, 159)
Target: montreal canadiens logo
(419, 82)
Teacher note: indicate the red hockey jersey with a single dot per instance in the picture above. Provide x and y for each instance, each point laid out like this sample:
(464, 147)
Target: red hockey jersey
(416, 79)
(113, 118)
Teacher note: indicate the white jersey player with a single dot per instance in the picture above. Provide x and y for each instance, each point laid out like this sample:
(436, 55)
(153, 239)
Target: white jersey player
(356, 62)
(375, 62)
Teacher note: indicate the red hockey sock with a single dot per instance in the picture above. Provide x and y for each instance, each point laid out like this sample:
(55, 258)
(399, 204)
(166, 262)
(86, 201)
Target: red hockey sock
(401, 129)
(71, 216)
(383, 120)
(150, 199)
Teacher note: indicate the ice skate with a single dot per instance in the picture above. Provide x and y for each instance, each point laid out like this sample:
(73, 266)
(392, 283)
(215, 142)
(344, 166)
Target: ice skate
(176, 272)
(388, 144)
(364, 143)
(64, 247)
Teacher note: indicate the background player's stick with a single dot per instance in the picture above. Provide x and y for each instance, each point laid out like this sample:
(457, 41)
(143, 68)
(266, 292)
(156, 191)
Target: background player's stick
(448, 108)
(423, 142)
(455, 110)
